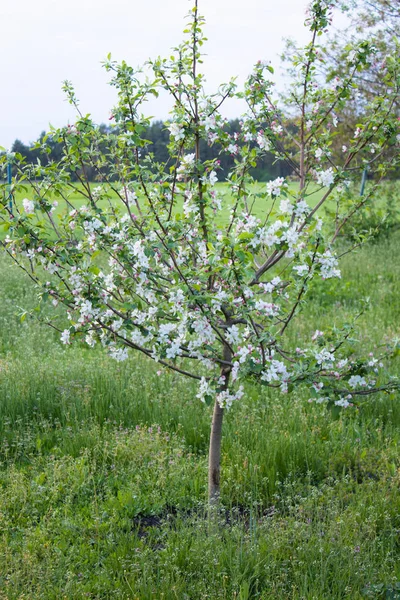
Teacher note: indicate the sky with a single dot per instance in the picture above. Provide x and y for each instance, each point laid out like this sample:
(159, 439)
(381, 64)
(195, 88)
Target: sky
(48, 41)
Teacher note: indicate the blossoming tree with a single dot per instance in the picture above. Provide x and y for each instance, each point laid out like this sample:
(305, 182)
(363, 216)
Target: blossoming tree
(154, 258)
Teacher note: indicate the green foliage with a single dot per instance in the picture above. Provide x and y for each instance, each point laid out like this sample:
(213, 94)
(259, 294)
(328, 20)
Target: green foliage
(377, 219)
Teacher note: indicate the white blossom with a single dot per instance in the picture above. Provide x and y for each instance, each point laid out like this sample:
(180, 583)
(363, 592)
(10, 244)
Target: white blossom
(274, 188)
(205, 389)
(263, 141)
(232, 334)
(225, 399)
(326, 178)
(285, 206)
(213, 178)
(65, 336)
(177, 131)
(271, 310)
(301, 208)
(174, 350)
(357, 381)
(301, 269)
(329, 265)
(118, 354)
(325, 358)
(275, 371)
(343, 402)
(242, 353)
(186, 166)
(29, 206)
(317, 334)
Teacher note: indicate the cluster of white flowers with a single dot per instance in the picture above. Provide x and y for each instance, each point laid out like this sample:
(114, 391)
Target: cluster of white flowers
(329, 265)
(270, 286)
(225, 398)
(357, 381)
(266, 236)
(343, 402)
(263, 141)
(65, 336)
(29, 206)
(190, 207)
(247, 223)
(275, 371)
(325, 358)
(274, 188)
(267, 308)
(232, 334)
(286, 207)
(212, 178)
(243, 352)
(325, 178)
(204, 331)
(205, 389)
(233, 148)
(177, 131)
(301, 208)
(318, 153)
(118, 354)
(276, 128)
(138, 251)
(131, 197)
(291, 236)
(301, 269)
(186, 166)
(209, 122)
(374, 363)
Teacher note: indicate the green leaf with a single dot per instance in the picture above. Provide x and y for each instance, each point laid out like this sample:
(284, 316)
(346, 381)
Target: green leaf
(208, 400)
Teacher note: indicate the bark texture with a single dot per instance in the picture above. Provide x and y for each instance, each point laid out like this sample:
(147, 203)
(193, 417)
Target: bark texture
(214, 457)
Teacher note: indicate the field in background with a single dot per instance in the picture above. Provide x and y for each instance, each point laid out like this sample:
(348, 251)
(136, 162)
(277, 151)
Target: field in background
(103, 469)
(259, 206)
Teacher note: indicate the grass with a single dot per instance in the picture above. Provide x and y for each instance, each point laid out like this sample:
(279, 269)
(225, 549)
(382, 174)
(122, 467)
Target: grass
(103, 469)
(258, 208)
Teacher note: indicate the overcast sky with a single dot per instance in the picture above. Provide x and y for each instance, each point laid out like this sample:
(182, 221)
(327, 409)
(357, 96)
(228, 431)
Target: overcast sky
(47, 41)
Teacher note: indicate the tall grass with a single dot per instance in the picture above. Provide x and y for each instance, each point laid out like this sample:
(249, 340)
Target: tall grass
(103, 468)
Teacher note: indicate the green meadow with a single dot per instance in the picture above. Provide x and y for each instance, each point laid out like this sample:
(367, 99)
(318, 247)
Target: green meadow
(103, 467)
(257, 205)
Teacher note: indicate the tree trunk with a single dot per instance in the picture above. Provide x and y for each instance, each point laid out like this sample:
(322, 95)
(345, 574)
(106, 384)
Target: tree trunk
(214, 457)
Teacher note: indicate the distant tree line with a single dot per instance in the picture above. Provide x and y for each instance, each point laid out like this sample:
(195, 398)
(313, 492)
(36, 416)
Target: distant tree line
(46, 149)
